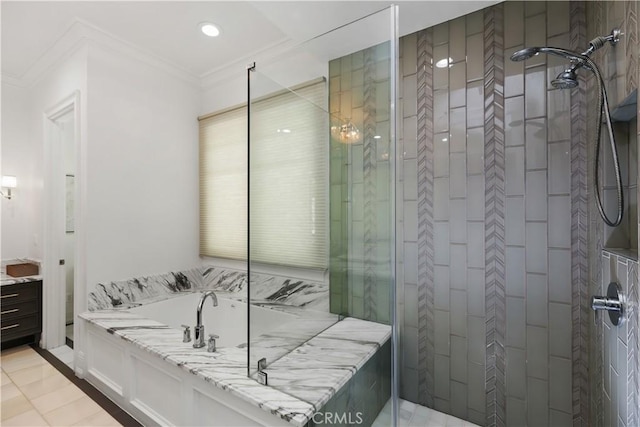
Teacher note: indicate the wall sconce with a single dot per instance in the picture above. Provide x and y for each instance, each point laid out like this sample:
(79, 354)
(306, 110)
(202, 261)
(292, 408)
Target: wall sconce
(8, 182)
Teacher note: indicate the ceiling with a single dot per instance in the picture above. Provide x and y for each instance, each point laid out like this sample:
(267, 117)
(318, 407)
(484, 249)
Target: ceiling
(169, 29)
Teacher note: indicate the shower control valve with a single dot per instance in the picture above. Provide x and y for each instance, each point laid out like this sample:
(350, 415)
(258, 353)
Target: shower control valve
(612, 303)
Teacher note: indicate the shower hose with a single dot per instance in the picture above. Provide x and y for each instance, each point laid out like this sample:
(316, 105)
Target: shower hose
(603, 105)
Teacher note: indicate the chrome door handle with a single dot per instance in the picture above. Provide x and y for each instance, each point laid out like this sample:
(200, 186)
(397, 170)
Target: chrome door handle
(613, 303)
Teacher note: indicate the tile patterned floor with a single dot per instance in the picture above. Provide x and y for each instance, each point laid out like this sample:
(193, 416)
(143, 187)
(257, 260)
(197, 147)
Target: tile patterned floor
(412, 415)
(34, 394)
(64, 354)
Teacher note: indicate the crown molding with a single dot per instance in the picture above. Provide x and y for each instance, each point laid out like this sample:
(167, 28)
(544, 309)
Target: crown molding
(231, 70)
(80, 33)
(12, 80)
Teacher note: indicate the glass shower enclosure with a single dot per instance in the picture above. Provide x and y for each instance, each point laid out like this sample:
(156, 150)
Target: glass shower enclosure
(321, 212)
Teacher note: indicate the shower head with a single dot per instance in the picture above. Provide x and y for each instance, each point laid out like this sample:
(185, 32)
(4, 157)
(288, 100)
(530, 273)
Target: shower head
(566, 80)
(524, 54)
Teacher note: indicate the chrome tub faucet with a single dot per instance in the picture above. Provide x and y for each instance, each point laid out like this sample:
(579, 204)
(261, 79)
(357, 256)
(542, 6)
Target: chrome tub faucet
(198, 339)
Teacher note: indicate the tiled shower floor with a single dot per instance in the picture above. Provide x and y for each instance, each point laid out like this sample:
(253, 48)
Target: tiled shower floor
(419, 416)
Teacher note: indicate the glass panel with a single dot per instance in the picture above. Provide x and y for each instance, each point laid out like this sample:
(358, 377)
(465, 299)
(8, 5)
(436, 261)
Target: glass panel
(322, 225)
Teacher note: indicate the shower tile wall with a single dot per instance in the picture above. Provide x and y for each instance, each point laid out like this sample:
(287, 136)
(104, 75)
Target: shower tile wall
(498, 243)
(361, 205)
(619, 350)
(614, 351)
(500, 219)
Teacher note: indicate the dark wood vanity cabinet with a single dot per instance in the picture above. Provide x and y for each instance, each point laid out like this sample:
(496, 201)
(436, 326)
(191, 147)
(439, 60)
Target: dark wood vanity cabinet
(21, 312)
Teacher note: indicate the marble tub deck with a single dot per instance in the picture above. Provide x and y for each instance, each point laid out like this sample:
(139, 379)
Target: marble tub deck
(301, 379)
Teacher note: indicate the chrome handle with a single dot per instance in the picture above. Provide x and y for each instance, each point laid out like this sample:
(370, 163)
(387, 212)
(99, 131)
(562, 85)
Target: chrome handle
(186, 334)
(604, 303)
(10, 311)
(9, 296)
(211, 344)
(613, 303)
(9, 327)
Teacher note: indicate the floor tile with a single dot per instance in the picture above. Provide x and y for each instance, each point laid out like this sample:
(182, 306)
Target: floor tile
(50, 401)
(11, 352)
(25, 358)
(65, 354)
(5, 379)
(455, 422)
(423, 411)
(15, 406)
(418, 421)
(35, 373)
(9, 391)
(28, 419)
(44, 386)
(72, 412)
(412, 415)
(409, 406)
(98, 420)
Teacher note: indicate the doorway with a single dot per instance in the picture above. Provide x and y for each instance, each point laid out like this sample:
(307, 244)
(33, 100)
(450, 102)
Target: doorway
(61, 130)
(67, 141)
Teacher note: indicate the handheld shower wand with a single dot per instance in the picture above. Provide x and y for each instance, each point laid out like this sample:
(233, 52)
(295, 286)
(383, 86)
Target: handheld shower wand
(568, 79)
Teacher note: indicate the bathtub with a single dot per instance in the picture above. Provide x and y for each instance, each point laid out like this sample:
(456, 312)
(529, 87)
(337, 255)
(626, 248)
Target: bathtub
(139, 379)
(228, 320)
(136, 357)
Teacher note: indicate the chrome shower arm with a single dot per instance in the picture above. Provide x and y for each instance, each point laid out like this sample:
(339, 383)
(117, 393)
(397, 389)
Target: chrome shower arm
(572, 56)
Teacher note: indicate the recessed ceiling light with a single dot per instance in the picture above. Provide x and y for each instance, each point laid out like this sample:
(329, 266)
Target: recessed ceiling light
(377, 137)
(209, 29)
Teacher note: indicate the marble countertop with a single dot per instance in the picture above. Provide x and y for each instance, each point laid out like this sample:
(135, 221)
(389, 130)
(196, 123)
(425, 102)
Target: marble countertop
(8, 280)
(302, 379)
(5, 279)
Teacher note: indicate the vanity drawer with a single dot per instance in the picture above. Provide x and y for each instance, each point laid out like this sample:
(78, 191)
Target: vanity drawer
(19, 292)
(18, 309)
(19, 327)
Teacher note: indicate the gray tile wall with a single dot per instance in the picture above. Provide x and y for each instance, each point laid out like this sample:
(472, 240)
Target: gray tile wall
(579, 236)
(503, 251)
(618, 352)
(360, 190)
(614, 350)
(496, 224)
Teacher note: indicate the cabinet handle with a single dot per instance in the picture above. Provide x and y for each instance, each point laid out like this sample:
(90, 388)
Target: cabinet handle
(10, 311)
(9, 327)
(9, 296)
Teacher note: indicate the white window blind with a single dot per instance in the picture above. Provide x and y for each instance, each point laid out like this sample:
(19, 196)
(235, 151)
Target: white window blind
(289, 180)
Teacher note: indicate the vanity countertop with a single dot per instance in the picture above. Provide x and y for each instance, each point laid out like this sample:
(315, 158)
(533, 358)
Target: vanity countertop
(8, 280)
(333, 355)
(5, 279)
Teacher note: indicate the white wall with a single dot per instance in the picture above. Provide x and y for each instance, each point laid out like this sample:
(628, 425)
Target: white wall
(142, 169)
(17, 159)
(57, 84)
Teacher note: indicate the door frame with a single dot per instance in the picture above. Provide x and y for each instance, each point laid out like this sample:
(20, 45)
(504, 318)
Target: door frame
(54, 293)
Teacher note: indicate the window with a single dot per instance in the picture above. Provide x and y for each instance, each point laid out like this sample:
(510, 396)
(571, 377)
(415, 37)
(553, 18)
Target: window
(289, 180)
